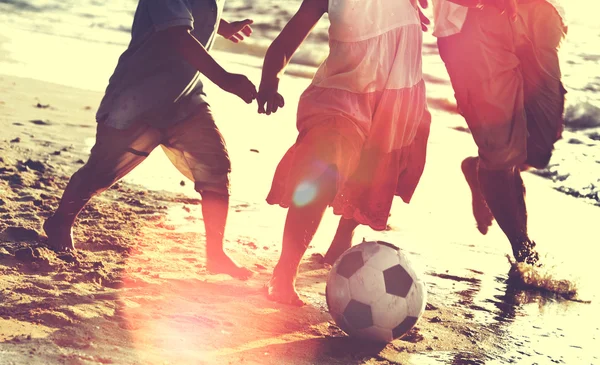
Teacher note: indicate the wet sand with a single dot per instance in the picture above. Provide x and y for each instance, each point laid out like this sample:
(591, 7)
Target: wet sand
(137, 291)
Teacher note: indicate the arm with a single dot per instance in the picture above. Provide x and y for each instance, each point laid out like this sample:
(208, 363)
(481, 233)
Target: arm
(182, 42)
(283, 48)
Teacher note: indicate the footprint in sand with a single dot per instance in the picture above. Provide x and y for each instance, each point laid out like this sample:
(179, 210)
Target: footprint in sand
(51, 318)
(21, 234)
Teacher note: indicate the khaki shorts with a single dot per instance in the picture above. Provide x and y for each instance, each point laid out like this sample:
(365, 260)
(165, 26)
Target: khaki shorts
(195, 146)
(506, 79)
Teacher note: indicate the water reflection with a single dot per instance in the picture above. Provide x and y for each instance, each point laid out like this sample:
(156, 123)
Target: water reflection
(511, 323)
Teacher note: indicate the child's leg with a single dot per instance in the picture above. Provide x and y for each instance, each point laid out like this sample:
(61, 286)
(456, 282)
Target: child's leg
(300, 227)
(342, 240)
(504, 193)
(481, 212)
(215, 207)
(197, 149)
(115, 154)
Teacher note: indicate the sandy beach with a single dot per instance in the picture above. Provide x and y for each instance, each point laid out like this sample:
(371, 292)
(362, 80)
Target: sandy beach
(137, 290)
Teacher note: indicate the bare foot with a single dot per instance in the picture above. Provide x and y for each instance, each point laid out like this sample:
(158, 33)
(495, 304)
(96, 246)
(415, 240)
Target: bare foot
(525, 251)
(60, 235)
(482, 213)
(223, 264)
(282, 291)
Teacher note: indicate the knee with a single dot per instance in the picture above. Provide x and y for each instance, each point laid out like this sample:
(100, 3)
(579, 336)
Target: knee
(92, 180)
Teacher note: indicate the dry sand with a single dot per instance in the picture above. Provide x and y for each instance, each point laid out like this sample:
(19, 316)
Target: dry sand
(137, 292)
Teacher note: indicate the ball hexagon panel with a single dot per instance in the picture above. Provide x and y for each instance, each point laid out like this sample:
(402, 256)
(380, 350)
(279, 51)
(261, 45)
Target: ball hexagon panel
(404, 327)
(389, 311)
(367, 285)
(349, 263)
(358, 315)
(337, 292)
(397, 281)
(375, 333)
(417, 299)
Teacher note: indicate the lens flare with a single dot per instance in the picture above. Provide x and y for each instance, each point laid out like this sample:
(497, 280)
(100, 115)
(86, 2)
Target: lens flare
(304, 194)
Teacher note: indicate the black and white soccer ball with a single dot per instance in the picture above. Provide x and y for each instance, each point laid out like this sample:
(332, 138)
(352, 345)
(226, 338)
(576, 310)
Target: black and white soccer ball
(374, 293)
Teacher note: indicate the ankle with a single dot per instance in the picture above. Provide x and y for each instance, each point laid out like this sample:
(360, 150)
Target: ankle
(59, 220)
(524, 251)
(215, 253)
(285, 272)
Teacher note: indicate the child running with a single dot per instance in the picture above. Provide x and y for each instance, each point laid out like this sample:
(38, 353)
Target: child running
(508, 88)
(363, 125)
(155, 97)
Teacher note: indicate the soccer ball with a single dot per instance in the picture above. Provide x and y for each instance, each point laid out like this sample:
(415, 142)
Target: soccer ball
(373, 292)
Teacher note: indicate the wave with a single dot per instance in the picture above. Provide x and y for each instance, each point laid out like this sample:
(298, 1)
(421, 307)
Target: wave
(582, 116)
(311, 54)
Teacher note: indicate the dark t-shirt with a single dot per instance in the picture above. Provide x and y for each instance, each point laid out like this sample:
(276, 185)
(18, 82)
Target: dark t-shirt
(151, 83)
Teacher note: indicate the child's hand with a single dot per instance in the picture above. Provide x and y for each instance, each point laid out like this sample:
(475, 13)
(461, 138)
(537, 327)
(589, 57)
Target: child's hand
(238, 85)
(268, 94)
(235, 31)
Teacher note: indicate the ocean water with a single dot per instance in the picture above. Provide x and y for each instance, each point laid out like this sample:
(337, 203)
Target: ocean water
(528, 327)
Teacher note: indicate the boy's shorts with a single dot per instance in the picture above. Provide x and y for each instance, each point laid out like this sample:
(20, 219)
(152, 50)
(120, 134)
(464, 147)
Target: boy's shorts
(506, 78)
(195, 146)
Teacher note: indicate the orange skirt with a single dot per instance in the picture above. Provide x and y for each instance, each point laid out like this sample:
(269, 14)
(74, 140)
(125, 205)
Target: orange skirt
(371, 166)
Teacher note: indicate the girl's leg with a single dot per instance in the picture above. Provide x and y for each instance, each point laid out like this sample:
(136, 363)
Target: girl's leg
(342, 240)
(300, 227)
